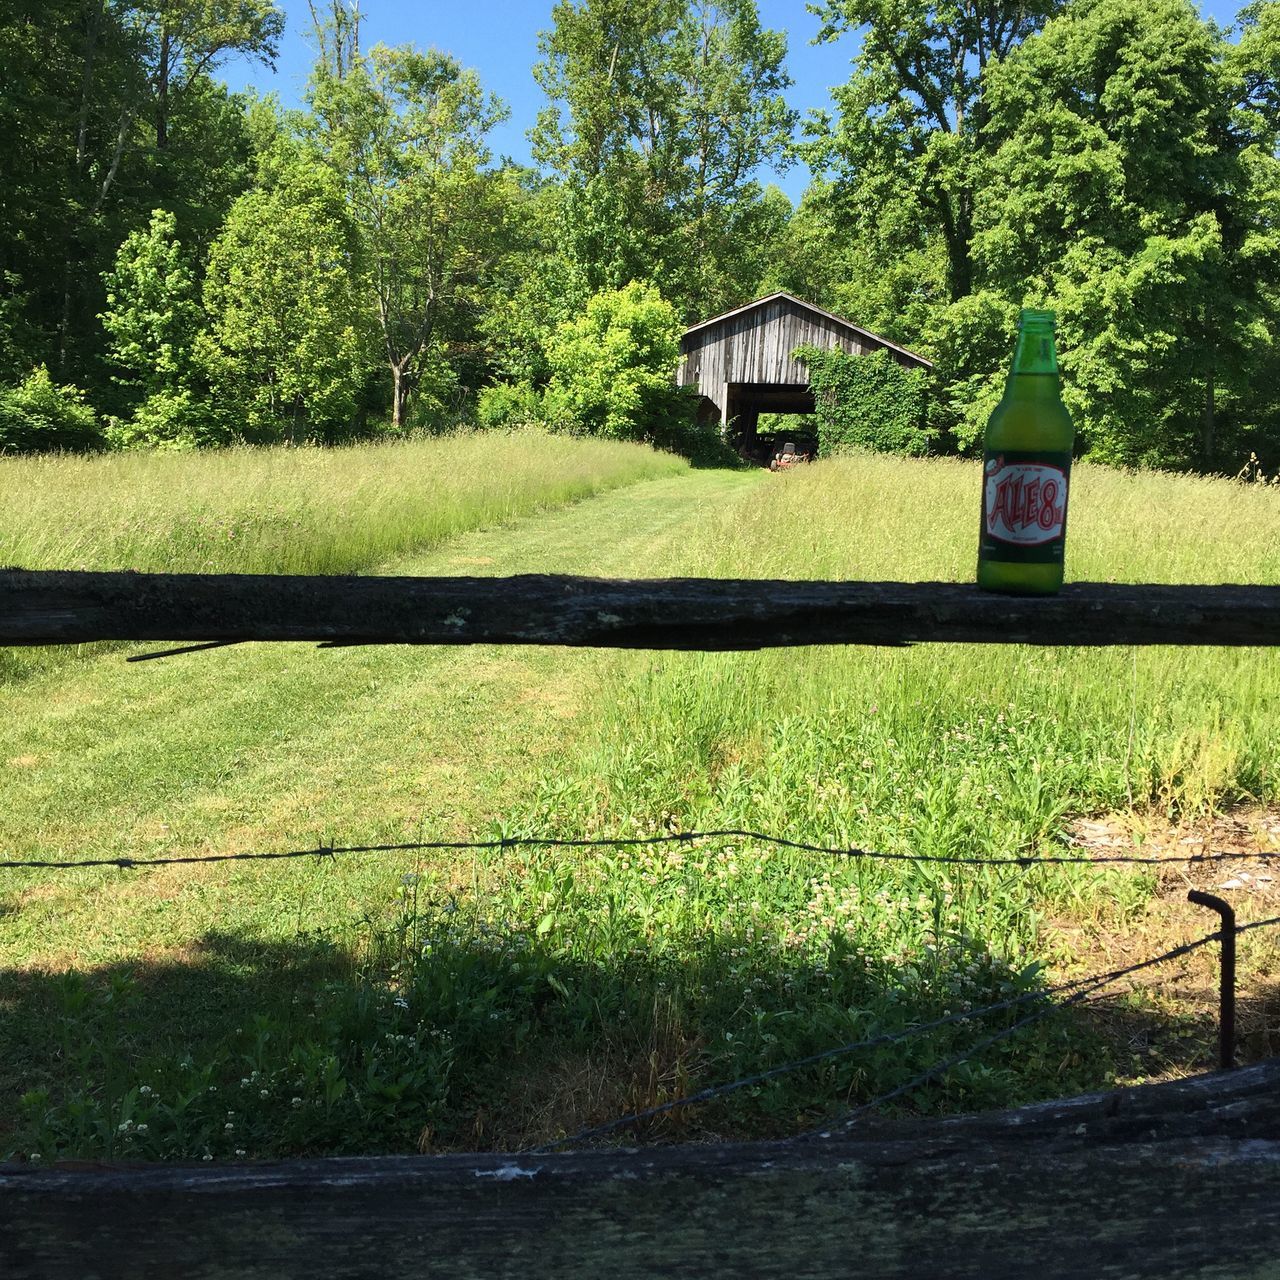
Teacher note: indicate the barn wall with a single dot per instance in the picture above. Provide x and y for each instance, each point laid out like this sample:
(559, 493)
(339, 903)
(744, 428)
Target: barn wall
(755, 347)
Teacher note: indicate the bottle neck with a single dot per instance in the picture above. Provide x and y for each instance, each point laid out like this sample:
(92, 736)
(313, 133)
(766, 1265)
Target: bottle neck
(1035, 352)
(1033, 388)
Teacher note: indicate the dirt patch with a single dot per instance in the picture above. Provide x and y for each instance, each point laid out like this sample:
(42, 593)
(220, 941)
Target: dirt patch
(1163, 1022)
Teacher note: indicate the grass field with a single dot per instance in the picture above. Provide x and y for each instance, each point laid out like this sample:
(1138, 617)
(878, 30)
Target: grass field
(452, 1001)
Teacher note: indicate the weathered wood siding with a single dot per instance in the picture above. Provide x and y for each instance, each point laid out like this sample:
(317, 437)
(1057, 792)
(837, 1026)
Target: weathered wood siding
(755, 346)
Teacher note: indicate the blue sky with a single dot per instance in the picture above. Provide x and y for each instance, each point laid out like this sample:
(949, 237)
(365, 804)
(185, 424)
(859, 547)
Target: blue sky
(499, 38)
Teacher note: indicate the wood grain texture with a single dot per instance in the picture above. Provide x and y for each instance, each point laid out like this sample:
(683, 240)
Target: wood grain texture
(753, 344)
(675, 613)
(1170, 1181)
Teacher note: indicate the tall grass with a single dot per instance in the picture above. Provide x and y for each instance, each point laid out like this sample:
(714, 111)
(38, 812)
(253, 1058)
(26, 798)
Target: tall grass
(295, 510)
(289, 510)
(938, 749)
(942, 747)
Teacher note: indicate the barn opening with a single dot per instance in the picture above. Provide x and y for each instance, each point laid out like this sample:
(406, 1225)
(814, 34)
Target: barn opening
(741, 365)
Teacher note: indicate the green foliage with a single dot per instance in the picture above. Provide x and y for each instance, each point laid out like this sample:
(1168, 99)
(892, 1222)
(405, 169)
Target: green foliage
(866, 402)
(170, 420)
(108, 112)
(1120, 194)
(657, 119)
(287, 344)
(39, 417)
(404, 133)
(152, 313)
(613, 369)
(509, 404)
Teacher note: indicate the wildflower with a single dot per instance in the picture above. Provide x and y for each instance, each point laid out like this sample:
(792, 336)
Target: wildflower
(145, 1091)
(206, 1156)
(295, 1103)
(228, 1128)
(264, 1093)
(240, 1151)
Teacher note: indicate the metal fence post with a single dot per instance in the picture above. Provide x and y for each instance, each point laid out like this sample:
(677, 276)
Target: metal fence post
(1227, 982)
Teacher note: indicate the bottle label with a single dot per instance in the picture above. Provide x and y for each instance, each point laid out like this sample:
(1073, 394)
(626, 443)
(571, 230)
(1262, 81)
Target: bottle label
(1024, 505)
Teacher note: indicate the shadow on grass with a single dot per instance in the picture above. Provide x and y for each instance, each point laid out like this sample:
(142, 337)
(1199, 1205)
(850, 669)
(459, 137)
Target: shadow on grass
(447, 1034)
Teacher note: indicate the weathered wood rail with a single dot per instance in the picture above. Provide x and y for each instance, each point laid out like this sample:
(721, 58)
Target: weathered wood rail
(1171, 1181)
(677, 613)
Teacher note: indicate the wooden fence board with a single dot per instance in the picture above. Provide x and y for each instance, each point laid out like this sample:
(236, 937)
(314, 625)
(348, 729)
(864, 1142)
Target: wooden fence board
(677, 613)
(1170, 1181)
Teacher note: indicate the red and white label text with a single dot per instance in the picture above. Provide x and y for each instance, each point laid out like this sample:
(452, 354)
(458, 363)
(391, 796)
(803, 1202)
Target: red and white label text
(1026, 502)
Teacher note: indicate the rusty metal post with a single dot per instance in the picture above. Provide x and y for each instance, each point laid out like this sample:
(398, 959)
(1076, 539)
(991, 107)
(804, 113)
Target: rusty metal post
(1227, 983)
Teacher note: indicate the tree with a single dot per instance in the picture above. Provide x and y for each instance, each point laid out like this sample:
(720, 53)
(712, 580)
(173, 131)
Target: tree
(286, 351)
(188, 39)
(908, 146)
(405, 133)
(152, 313)
(1124, 193)
(658, 120)
(613, 368)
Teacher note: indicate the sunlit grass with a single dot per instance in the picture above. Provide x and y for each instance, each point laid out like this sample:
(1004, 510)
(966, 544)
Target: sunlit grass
(295, 510)
(507, 998)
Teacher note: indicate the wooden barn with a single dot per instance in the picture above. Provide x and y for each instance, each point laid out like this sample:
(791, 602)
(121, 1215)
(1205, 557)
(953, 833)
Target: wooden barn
(741, 362)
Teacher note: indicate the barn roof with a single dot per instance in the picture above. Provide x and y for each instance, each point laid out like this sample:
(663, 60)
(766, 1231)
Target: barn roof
(800, 304)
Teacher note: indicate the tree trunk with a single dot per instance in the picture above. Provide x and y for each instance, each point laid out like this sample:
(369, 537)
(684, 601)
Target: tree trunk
(399, 393)
(162, 92)
(1208, 420)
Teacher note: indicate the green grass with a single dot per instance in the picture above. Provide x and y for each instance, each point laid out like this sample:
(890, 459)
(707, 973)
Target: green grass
(292, 510)
(494, 1000)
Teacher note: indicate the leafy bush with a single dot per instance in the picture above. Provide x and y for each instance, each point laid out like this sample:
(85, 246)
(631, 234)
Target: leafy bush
(613, 368)
(868, 402)
(170, 420)
(39, 417)
(509, 404)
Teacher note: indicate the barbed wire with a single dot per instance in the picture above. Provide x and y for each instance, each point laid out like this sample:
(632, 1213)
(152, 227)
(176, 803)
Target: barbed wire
(1019, 861)
(1079, 989)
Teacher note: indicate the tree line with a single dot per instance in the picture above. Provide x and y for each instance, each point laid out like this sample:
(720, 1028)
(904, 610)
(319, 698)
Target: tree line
(181, 265)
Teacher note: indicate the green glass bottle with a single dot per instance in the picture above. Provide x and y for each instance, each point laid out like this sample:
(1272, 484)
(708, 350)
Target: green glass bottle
(1026, 467)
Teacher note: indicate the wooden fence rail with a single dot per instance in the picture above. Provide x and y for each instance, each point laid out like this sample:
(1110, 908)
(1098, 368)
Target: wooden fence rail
(676, 613)
(1171, 1181)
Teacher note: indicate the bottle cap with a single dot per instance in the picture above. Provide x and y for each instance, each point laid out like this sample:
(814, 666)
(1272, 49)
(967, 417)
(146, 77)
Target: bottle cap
(1032, 319)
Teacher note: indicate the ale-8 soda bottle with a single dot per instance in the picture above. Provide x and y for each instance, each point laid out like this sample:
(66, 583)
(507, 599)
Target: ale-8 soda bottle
(1026, 466)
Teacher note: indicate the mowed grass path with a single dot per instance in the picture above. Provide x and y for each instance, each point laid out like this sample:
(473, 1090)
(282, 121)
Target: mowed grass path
(277, 746)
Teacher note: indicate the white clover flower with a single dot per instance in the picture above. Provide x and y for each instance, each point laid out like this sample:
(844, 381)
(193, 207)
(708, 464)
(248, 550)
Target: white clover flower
(264, 1093)
(240, 1151)
(228, 1128)
(295, 1102)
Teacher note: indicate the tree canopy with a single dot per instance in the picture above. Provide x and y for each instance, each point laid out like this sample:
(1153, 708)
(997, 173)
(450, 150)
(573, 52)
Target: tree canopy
(182, 266)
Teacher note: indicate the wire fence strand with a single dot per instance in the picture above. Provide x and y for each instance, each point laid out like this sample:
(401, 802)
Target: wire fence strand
(1018, 861)
(1076, 991)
